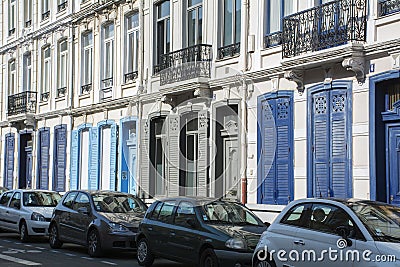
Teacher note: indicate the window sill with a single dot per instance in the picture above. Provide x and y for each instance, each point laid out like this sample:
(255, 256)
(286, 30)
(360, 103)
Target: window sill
(84, 96)
(227, 58)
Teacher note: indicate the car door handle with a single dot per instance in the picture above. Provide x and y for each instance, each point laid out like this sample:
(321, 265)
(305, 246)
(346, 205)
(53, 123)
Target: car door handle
(172, 234)
(299, 242)
(150, 228)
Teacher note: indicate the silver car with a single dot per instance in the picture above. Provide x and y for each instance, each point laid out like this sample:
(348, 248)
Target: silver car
(27, 212)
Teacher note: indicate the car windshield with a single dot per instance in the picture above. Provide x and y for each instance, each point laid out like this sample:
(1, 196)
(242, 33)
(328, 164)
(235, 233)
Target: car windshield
(229, 213)
(117, 203)
(381, 220)
(41, 199)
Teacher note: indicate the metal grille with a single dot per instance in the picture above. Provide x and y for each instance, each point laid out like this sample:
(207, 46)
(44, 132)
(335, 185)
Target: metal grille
(325, 26)
(387, 7)
(24, 102)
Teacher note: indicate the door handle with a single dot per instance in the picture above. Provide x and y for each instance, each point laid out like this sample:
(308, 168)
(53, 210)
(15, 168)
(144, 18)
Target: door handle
(172, 234)
(299, 242)
(150, 228)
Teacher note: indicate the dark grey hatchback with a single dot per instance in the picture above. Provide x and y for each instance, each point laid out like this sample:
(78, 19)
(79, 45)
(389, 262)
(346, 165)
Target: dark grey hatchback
(100, 220)
(200, 231)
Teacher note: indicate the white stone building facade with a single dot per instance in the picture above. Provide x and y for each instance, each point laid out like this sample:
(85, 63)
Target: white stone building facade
(263, 101)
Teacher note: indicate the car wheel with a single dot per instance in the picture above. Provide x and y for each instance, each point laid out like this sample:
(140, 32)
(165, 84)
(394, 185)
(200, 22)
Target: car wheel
(208, 258)
(265, 263)
(144, 255)
(54, 239)
(94, 245)
(23, 232)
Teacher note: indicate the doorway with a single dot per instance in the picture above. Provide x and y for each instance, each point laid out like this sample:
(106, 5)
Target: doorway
(25, 161)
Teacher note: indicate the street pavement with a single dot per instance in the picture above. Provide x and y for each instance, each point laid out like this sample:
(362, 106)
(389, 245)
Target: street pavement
(38, 253)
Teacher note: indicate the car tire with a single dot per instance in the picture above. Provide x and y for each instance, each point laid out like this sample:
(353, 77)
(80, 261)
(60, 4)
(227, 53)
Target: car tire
(54, 239)
(266, 263)
(94, 244)
(23, 232)
(208, 258)
(144, 255)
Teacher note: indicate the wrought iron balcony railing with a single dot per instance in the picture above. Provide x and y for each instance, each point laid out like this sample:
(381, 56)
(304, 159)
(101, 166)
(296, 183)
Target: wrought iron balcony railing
(273, 39)
(62, 6)
(131, 76)
(28, 23)
(188, 63)
(61, 91)
(325, 26)
(44, 97)
(46, 15)
(229, 51)
(107, 82)
(387, 7)
(11, 31)
(20, 103)
(85, 89)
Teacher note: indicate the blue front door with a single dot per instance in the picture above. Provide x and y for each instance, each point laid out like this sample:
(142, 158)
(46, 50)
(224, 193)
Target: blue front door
(393, 164)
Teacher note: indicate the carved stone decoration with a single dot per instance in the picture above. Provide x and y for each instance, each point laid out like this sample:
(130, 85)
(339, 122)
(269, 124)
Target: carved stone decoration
(202, 92)
(297, 77)
(396, 60)
(356, 65)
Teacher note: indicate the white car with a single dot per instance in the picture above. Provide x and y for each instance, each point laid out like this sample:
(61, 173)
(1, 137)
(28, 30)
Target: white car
(332, 232)
(27, 212)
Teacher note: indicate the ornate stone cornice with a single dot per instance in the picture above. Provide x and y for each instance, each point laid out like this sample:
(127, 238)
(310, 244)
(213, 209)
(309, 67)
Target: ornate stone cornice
(297, 77)
(356, 65)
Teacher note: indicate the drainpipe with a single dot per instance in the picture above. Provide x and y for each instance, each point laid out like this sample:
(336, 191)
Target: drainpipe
(139, 104)
(243, 108)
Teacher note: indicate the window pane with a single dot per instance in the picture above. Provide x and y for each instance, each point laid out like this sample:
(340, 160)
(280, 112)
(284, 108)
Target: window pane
(200, 27)
(194, 2)
(63, 46)
(192, 27)
(109, 31)
(274, 16)
(288, 8)
(131, 47)
(133, 21)
(163, 9)
(168, 36)
(238, 20)
(228, 21)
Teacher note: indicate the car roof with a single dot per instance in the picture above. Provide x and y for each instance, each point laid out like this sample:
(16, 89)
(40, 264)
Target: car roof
(345, 201)
(32, 190)
(196, 200)
(106, 192)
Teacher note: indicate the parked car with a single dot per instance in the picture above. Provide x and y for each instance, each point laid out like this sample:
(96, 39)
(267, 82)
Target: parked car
(308, 229)
(100, 220)
(3, 189)
(199, 231)
(27, 212)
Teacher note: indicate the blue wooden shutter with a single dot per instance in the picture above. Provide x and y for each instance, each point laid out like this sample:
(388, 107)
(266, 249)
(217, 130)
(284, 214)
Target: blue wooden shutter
(268, 151)
(60, 155)
(74, 160)
(113, 156)
(338, 157)
(283, 158)
(43, 158)
(320, 144)
(94, 159)
(9, 160)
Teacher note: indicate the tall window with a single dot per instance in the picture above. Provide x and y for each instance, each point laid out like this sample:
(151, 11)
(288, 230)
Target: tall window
(108, 52)
(276, 10)
(231, 22)
(132, 47)
(87, 63)
(27, 72)
(46, 72)
(194, 22)
(45, 9)
(12, 82)
(28, 13)
(62, 67)
(11, 17)
(157, 155)
(163, 29)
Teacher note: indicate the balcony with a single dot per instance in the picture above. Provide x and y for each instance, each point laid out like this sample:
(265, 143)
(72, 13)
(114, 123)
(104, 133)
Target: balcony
(229, 51)
(322, 27)
(387, 7)
(130, 77)
(61, 92)
(188, 63)
(85, 89)
(272, 39)
(61, 7)
(46, 15)
(22, 103)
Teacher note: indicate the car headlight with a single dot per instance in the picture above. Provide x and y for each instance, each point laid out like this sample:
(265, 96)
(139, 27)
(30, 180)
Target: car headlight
(38, 217)
(116, 227)
(236, 243)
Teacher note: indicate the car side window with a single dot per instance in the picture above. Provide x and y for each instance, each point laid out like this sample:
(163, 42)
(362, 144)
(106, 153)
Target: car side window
(5, 198)
(15, 202)
(156, 211)
(81, 201)
(69, 199)
(327, 218)
(297, 216)
(166, 212)
(185, 212)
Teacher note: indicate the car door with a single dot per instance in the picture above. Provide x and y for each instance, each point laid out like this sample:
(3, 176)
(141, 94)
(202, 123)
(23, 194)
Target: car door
(14, 213)
(64, 215)
(79, 219)
(5, 199)
(320, 243)
(184, 239)
(149, 227)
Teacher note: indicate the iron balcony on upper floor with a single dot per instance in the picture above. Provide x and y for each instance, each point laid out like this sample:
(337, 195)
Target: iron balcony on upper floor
(387, 7)
(22, 103)
(325, 26)
(187, 63)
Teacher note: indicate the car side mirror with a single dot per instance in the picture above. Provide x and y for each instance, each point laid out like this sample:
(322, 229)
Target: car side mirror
(344, 232)
(192, 223)
(83, 210)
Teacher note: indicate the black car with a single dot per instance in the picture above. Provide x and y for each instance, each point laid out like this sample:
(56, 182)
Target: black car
(100, 220)
(203, 232)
